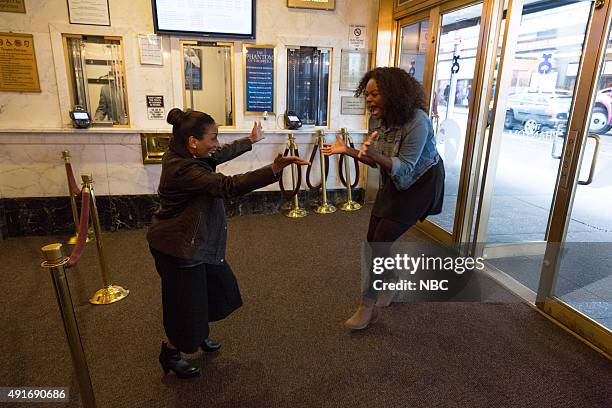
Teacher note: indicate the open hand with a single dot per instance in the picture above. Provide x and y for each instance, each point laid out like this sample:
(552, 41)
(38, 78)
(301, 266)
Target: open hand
(367, 149)
(337, 148)
(283, 161)
(256, 132)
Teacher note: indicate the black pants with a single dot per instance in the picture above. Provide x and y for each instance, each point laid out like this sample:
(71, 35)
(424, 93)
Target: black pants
(193, 296)
(381, 230)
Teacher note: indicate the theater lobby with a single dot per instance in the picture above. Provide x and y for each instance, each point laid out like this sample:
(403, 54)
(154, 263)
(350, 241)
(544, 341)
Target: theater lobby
(146, 146)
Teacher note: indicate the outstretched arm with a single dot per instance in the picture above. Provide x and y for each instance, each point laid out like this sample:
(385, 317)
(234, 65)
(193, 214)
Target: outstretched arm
(341, 148)
(238, 147)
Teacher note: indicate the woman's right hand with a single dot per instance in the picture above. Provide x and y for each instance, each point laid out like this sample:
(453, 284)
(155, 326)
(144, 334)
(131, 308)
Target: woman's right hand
(337, 148)
(283, 161)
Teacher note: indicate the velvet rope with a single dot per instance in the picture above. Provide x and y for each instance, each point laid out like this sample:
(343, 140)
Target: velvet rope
(77, 251)
(312, 157)
(290, 194)
(341, 168)
(74, 187)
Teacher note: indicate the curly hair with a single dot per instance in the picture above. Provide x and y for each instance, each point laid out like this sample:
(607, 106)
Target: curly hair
(402, 94)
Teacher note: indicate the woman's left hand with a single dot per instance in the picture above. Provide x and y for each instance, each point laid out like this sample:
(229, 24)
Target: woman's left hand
(367, 149)
(256, 133)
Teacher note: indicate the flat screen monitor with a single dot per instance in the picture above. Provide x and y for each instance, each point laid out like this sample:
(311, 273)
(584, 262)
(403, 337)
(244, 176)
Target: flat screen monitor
(211, 18)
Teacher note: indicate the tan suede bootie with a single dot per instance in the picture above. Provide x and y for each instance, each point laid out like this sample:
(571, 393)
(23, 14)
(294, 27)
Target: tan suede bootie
(366, 313)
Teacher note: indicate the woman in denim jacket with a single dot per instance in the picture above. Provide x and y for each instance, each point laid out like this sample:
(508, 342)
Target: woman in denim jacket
(402, 145)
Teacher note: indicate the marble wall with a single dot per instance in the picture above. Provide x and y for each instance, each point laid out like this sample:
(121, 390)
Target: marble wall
(277, 25)
(35, 127)
(31, 165)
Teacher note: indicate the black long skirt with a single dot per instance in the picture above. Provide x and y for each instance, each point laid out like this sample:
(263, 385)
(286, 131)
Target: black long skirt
(193, 296)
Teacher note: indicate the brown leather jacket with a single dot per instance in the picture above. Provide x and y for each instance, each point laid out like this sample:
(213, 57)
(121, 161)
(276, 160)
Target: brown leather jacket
(190, 223)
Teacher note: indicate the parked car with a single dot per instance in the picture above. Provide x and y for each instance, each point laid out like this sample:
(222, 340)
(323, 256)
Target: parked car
(601, 116)
(532, 111)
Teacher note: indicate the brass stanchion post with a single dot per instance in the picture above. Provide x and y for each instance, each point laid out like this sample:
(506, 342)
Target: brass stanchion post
(296, 211)
(109, 293)
(349, 205)
(55, 261)
(325, 207)
(73, 205)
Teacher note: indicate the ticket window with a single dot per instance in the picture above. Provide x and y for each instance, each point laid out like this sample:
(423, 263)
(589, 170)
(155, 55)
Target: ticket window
(308, 75)
(96, 76)
(208, 79)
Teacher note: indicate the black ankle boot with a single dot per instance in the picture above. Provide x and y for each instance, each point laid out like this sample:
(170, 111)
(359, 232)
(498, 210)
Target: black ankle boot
(210, 345)
(170, 359)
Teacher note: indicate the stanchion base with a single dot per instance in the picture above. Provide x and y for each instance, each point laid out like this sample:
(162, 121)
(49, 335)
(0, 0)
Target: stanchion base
(350, 206)
(296, 213)
(108, 295)
(325, 209)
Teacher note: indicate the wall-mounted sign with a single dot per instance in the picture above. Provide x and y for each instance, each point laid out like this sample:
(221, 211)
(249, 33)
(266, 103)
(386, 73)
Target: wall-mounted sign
(13, 6)
(155, 107)
(353, 66)
(150, 46)
(18, 70)
(349, 105)
(312, 4)
(259, 73)
(89, 12)
(357, 36)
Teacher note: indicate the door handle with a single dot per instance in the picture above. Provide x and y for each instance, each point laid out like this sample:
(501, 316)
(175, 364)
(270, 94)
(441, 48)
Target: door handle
(553, 153)
(436, 117)
(594, 161)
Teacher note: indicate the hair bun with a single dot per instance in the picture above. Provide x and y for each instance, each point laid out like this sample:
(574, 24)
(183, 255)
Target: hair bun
(175, 116)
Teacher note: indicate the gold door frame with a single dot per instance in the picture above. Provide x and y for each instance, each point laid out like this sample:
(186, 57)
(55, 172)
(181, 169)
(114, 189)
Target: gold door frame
(481, 82)
(595, 47)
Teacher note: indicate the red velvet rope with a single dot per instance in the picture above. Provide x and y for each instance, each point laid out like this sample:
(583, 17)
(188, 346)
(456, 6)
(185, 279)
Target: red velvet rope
(77, 251)
(290, 194)
(74, 187)
(341, 168)
(312, 157)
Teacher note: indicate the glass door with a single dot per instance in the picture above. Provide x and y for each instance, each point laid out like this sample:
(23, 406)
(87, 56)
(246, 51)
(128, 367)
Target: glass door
(576, 283)
(543, 47)
(451, 93)
(413, 43)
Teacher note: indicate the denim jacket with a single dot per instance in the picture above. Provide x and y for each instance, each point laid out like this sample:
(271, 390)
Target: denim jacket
(411, 147)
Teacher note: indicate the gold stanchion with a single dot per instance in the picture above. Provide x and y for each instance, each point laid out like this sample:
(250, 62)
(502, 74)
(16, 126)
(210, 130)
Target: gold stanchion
(55, 261)
(296, 211)
(349, 205)
(75, 212)
(325, 207)
(109, 293)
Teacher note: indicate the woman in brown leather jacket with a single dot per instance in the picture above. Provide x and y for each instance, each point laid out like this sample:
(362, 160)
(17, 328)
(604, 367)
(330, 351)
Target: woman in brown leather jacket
(188, 232)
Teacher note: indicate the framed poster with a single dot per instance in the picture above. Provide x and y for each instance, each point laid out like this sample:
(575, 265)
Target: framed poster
(150, 47)
(353, 66)
(18, 69)
(192, 61)
(259, 67)
(89, 12)
(312, 4)
(12, 6)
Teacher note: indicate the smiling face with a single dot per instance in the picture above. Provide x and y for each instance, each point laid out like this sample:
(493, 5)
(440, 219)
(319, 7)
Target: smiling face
(206, 146)
(374, 99)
